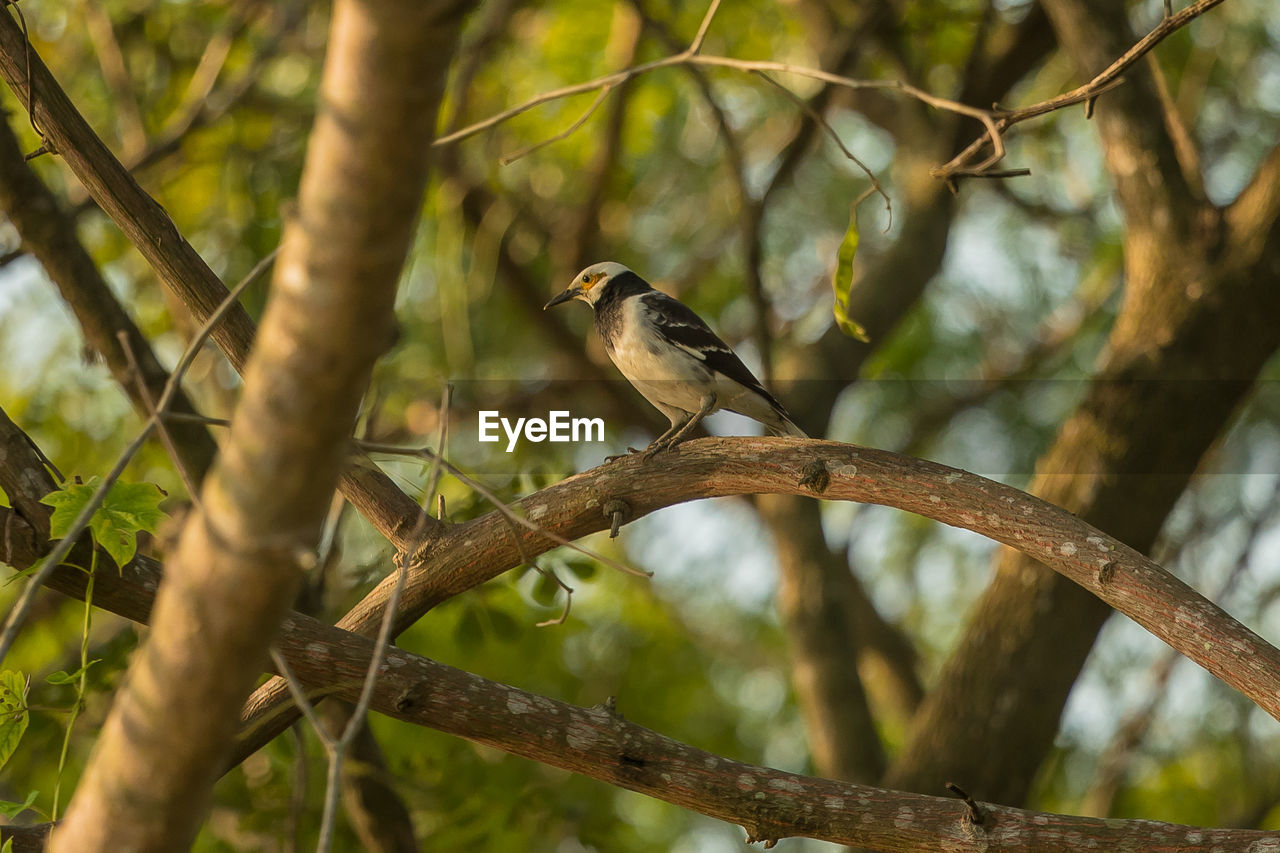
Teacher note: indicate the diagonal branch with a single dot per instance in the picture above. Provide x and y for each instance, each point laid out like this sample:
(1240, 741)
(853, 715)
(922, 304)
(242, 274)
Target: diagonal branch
(769, 804)
(1108, 79)
(329, 317)
(50, 235)
(146, 224)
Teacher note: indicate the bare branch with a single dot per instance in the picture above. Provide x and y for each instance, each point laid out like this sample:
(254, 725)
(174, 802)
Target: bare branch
(176, 263)
(770, 804)
(1088, 93)
(508, 159)
(831, 132)
(995, 121)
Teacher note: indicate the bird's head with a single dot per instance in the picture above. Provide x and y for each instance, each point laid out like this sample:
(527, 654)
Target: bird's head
(590, 284)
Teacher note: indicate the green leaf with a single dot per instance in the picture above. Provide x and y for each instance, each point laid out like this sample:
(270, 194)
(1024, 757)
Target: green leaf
(842, 281)
(13, 712)
(64, 677)
(11, 810)
(127, 509)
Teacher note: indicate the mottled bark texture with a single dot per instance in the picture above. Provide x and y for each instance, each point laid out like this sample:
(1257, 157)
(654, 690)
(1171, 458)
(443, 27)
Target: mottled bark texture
(240, 557)
(1196, 325)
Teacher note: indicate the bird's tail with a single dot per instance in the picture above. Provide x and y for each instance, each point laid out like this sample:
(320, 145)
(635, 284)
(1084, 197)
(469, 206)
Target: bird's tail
(783, 425)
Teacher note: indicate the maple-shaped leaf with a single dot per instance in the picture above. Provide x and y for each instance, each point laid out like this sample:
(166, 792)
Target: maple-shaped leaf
(126, 509)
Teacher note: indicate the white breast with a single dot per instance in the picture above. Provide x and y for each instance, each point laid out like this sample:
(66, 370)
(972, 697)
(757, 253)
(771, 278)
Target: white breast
(667, 376)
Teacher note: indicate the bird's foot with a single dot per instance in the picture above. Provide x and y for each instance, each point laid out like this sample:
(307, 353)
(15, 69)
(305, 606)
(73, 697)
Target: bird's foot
(630, 450)
(655, 448)
(652, 450)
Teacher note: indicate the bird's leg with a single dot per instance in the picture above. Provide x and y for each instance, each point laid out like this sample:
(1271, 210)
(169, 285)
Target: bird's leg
(630, 450)
(677, 433)
(663, 441)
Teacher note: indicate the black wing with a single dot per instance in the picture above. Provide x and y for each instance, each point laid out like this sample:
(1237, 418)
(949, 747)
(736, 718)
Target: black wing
(686, 329)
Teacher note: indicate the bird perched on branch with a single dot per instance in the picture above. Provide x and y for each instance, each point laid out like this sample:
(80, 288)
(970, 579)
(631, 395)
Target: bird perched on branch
(670, 355)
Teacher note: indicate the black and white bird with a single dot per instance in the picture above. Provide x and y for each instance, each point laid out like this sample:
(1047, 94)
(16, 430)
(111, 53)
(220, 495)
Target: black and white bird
(670, 355)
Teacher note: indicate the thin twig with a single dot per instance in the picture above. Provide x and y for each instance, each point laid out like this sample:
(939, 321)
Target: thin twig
(508, 159)
(568, 597)
(696, 45)
(433, 479)
(438, 463)
(147, 400)
(1088, 93)
(31, 114)
(375, 447)
(299, 694)
(975, 813)
(831, 131)
(337, 749)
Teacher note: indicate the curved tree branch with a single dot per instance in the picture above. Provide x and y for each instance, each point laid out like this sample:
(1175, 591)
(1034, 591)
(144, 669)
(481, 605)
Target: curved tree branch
(470, 554)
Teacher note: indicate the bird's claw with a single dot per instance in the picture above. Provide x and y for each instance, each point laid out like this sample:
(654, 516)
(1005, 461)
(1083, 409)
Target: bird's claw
(654, 449)
(630, 450)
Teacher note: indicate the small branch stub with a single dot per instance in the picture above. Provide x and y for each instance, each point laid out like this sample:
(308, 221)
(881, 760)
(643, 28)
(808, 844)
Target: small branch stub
(765, 841)
(974, 816)
(815, 476)
(618, 512)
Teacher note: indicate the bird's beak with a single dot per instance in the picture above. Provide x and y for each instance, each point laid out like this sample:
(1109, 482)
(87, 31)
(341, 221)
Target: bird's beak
(563, 297)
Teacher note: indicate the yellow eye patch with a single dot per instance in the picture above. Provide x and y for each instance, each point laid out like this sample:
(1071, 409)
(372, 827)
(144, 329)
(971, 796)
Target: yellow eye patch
(589, 280)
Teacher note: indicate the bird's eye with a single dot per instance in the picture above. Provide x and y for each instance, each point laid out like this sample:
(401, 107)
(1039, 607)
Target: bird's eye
(586, 279)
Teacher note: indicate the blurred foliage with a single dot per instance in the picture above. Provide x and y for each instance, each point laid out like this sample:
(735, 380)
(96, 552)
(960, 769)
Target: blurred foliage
(696, 653)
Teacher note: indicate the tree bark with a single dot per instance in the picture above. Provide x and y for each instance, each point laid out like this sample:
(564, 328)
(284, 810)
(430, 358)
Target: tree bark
(329, 317)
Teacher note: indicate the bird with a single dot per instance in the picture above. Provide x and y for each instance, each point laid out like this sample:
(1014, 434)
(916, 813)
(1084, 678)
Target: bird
(670, 355)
